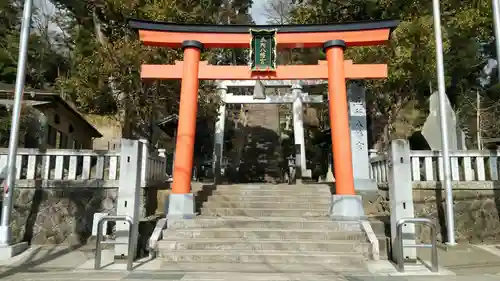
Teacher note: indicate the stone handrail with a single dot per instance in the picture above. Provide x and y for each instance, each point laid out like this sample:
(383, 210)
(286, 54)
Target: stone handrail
(76, 168)
(63, 167)
(157, 168)
(467, 165)
(379, 168)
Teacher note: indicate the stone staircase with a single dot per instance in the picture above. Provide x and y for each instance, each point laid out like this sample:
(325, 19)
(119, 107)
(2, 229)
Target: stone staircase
(266, 228)
(260, 158)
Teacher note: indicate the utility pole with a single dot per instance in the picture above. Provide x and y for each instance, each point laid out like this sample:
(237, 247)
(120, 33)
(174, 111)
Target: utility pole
(478, 120)
(450, 224)
(496, 21)
(5, 230)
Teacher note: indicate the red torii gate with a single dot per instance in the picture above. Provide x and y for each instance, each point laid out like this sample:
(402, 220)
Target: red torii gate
(193, 38)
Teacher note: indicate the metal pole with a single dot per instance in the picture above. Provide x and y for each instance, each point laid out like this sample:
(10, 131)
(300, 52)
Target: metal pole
(478, 120)
(400, 263)
(434, 251)
(5, 233)
(496, 20)
(443, 122)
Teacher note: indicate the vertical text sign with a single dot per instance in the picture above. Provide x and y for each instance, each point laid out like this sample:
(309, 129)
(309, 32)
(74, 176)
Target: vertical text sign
(263, 50)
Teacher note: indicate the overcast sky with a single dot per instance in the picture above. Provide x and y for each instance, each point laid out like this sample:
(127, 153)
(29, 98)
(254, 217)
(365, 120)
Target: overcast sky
(257, 11)
(45, 5)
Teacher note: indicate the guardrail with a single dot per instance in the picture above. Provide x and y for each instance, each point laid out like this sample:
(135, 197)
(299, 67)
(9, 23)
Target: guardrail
(399, 238)
(99, 242)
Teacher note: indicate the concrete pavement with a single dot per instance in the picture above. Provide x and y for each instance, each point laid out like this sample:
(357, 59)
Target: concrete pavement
(464, 262)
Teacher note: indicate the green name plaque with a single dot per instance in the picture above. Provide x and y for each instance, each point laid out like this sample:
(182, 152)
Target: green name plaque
(263, 50)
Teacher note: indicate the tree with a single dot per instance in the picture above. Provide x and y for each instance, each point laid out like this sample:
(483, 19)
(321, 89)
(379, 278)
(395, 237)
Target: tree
(44, 62)
(278, 11)
(410, 53)
(106, 56)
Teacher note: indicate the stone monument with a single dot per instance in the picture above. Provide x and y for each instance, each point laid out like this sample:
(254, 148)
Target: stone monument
(359, 138)
(432, 129)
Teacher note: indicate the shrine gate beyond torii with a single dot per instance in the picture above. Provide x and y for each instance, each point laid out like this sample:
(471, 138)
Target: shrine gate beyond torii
(264, 42)
(295, 97)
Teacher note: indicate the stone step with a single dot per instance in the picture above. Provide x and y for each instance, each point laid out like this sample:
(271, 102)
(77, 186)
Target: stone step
(265, 205)
(384, 246)
(276, 192)
(265, 268)
(271, 276)
(252, 234)
(281, 187)
(260, 212)
(334, 246)
(382, 229)
(264, 257)
(278, 198)
(380, 226)
(321, 223)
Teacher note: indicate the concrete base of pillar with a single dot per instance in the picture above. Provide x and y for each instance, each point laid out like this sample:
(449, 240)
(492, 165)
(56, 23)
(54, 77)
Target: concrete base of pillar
(347, 207)
(365, 185)
(180, 206)
(7, 252)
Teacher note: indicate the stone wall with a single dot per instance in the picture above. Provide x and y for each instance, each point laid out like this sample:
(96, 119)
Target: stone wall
(65, 216)
(476, 206)
(45, 216)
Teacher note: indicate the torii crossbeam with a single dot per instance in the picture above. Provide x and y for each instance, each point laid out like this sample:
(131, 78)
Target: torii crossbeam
(264, 41)
(283, 72)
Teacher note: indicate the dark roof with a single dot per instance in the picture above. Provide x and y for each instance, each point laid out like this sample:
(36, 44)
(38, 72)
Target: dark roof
(169, 124)
(298, 28)
(7, 90)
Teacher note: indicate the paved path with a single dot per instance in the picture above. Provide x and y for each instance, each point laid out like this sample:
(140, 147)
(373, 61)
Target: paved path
(172, 276)
(468, 262)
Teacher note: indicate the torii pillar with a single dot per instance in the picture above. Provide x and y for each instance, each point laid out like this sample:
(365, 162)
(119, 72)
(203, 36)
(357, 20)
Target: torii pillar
(298, 131)
(181, 201)
(220, 126)
(345, 203)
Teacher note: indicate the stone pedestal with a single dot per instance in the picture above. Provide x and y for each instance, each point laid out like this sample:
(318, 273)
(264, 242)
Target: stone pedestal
(180, 206)
(132, 176)
(7, 252)
(347, 207)
(401, 198)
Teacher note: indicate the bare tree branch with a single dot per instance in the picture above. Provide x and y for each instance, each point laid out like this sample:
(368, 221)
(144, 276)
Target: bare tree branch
(278, 11)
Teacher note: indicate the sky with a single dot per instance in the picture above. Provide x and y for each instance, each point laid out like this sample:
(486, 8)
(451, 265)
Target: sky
(48, 9)
(45, 6)
(257, 11)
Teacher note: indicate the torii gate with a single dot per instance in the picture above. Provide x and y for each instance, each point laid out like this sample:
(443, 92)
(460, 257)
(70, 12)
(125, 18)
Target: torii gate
(264, 42)
(297, 98)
